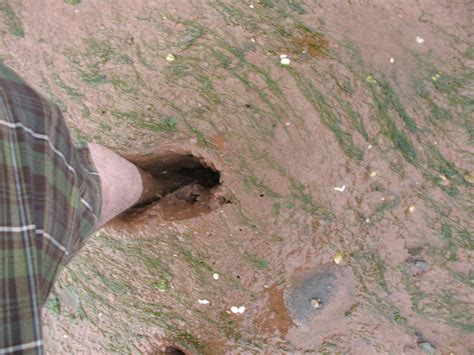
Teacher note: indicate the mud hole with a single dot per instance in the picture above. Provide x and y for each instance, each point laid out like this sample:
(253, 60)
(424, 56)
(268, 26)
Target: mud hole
(360, 150)
(191, 183)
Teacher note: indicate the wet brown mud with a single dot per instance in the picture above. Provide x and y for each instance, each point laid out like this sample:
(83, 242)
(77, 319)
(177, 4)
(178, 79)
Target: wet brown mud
(359, 151)
(278, 318)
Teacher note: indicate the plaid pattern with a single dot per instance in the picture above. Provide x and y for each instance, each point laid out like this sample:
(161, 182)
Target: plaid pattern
(49, 203)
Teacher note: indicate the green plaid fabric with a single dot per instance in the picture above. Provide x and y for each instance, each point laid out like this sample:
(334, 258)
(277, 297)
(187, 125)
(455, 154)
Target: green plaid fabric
(49, 203)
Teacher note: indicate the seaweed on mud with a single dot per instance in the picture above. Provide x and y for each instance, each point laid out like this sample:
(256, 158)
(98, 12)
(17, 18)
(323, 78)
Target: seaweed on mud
(72, 92)
(354, 118)
(52, 96)
(190, 36)
(269, 161)
(197, 263)
(256, 262)
(391, 98)
(327, 116)
(403, 117)
(164, 124)
(300, 193)
(53, 304)
(152, 121)
(12, 21)
(372, 268)
(201, 138)
(252, 181)
(189, 341)
(466, 239)
(118, 287)
(230, 329)
(390, 129)
(89, 63)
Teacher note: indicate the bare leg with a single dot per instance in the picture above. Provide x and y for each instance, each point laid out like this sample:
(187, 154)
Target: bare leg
(123, 184)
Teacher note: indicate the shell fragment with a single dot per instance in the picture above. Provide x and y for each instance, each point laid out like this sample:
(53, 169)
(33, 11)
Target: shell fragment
(237, 310)
(338, 258)
(419, 40)
(170, 58)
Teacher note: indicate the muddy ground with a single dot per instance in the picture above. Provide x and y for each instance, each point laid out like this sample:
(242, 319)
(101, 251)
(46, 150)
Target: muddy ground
(360, 152)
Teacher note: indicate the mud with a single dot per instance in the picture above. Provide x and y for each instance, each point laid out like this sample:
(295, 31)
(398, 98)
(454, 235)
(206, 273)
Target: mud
(360, 151)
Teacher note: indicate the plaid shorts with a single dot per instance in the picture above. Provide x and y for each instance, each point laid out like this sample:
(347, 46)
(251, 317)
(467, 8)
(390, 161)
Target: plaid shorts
(49, 203)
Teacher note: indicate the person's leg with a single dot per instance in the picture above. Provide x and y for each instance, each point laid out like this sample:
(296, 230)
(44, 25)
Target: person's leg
(123, 183)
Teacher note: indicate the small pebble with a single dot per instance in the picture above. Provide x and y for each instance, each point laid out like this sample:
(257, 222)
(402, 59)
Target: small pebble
(338, 258)
(419, 40)
(411, 209)
(373, 174)
(316, 303)
(469, 177)
(392, 60)
(215, 276)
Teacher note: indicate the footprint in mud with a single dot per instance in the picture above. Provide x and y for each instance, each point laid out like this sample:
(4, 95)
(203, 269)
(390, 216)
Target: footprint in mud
(189, 183)
(314, 293)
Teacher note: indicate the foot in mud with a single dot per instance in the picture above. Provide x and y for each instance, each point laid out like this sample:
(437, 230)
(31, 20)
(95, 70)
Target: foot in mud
(187, 178)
